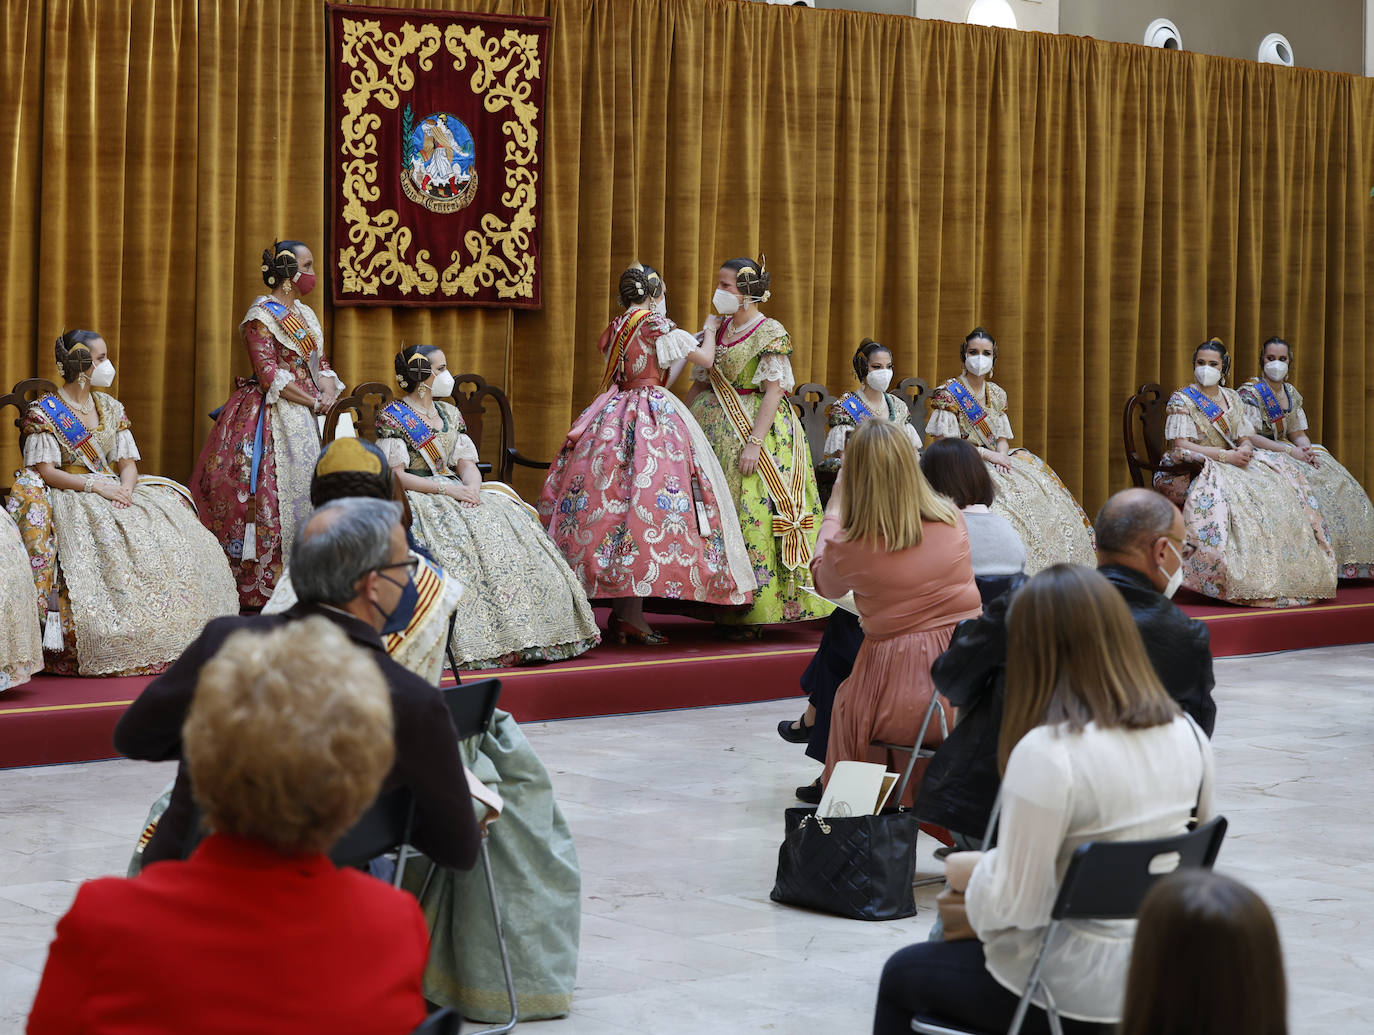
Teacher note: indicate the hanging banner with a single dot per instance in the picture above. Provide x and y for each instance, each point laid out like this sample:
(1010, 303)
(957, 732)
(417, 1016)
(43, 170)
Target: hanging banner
(435, 170)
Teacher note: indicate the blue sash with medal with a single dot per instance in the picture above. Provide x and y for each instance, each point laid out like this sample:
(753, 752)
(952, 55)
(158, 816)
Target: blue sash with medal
(75, 434)
(1272, 408)
(853, 405)
(1211, 411)
(420, 435)
(976, 415)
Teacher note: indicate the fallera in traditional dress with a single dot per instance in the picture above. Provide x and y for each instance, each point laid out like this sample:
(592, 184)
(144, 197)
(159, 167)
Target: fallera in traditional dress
(1343, 503)
(779, 521)
(636, 499)
(286, 346)
(1031, 496)
(1260, 537)
(850, 410)
(21, 640)
(521, 602)
(134, 585)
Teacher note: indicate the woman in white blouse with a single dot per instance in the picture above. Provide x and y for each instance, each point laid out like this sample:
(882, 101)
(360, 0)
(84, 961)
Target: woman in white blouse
(1092, 749)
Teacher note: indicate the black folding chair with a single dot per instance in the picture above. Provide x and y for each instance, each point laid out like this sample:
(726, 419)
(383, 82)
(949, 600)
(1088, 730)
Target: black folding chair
(440, 1022)
(915, 752)
(1106, 880)
(384, 828)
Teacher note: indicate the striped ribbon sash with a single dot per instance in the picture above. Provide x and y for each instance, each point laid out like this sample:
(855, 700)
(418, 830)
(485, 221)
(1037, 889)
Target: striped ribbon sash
(420, 435)
(429, 585)
(293, 325)
(791, 520)
(1214, 413)
(1273, 409)
(615, 355)
(69, 429)
(977, 416)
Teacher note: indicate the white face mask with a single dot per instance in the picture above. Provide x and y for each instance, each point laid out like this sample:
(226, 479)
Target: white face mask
(1276, 370)
(1176, 579)
(102, 375)
(878, 380)
(443, 385)
(1207, 376)
(659, 305)
(978, 365)
(726, 303)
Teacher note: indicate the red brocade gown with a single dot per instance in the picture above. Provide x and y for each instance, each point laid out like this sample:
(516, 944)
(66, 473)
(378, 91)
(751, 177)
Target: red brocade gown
(636, 500)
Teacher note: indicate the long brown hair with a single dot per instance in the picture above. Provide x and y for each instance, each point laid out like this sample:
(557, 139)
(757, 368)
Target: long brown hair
(1206, 959)
(885, 497)
(1074, 656)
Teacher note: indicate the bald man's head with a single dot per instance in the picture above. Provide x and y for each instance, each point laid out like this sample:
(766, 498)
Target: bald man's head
(1134, 528)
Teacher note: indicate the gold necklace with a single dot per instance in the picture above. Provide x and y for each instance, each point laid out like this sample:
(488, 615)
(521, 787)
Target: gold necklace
(430, 415)
(88, 408)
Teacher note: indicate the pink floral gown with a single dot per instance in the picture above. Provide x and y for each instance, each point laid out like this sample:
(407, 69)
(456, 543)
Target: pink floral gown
(636, 500)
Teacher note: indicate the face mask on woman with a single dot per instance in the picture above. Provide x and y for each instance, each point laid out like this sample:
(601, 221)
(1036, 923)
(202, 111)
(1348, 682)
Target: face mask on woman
(726, 303)
(102, 375)
(1276, 370)
(878, 380)
(443, 385)
(305, 282)
(1207, 376)
(978, 365)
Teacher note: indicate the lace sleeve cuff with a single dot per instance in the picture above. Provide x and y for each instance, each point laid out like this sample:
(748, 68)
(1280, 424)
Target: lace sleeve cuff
(1178, 425)
(912, 437)
(1001, 426)
(396, 453)
(463, 449)
(942, 424)
(338, 382)
(774, 366)
(673, 346)
(835, 440)
(1297, 420)
(125, 448)
(280, 381)
(42, 449)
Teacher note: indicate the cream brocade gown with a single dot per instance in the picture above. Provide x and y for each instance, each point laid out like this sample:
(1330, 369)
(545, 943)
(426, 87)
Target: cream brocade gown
(1344, 504)
(1045, 514)
(142, 580)
(21, 641)
(1259, 535)
(521, 602)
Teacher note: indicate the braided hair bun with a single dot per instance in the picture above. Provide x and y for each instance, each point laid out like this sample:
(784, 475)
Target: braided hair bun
(72, 351)
(864, 353)
(412, 366)
(751, 278)
(350, 467)
(639, 284)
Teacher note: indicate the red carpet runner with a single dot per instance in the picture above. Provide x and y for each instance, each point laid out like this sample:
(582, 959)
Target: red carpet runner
(58, 719)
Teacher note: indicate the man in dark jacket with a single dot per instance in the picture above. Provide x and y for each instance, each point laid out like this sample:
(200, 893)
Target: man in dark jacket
(349, 565)
(1140, 544)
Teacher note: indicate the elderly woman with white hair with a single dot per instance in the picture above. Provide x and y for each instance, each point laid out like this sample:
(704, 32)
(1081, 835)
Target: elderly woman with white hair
(287, 741)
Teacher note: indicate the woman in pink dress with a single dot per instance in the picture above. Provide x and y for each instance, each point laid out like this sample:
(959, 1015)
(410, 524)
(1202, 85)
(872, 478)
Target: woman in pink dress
(903, 550)
(252, 481)
(636, 499)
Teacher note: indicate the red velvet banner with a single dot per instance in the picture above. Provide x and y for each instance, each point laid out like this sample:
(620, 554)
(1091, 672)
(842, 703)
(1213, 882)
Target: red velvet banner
(437, 123)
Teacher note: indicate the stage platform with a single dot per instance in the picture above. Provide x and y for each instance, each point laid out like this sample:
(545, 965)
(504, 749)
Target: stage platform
(60, 719)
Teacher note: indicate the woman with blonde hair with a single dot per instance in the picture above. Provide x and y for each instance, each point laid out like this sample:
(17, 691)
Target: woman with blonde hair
(903, 550)
(1092, 748)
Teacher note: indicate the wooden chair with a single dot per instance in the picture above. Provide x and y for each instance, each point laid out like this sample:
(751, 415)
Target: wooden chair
(917, 395)
(812, 404)
(1145, 410)
(365, 403)
(472, 405)
(25, 393)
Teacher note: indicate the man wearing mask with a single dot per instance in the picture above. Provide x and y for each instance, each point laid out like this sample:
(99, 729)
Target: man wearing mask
(349, 564)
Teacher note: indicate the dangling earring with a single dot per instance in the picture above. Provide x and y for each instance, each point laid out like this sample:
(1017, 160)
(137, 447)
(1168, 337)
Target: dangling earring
(82, 379)
(422, 391)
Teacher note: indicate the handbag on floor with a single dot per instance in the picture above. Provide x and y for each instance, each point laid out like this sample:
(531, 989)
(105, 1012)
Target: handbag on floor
(860, 867)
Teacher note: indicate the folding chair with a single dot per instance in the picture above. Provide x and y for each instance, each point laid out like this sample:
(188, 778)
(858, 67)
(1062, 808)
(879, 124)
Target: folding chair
(918, 751)
(1106, 880)
(472, 705)
(440, 1022)
(384, 828)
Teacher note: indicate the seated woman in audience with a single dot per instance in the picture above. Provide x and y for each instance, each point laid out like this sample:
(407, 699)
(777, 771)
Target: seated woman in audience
(1091, 749)
(953, 468)
(1260, 538)
(1275, 410)
(21, 638)
(903, 551)
(1206, 959)
(521, 602)
(530, 850)
(636, 498)
(741, 403)
(873, 369)
(287, 741)
(126, 574)
(1050, 522)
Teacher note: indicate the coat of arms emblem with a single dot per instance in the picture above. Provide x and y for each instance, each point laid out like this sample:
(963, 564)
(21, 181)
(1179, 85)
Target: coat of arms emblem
(438, 161)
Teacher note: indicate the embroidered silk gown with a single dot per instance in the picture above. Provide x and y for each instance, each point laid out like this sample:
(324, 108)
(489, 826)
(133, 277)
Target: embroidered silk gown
(619, 498)
(132, 586)
(1260, 537)
(290, 444)
(1343, 503)
(21, 643)
(746, 362)
(521, 602)
(841, 422)
(1031, 496)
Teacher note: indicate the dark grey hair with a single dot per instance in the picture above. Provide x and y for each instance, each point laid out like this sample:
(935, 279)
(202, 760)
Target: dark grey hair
(327, 563)
(1129, 519)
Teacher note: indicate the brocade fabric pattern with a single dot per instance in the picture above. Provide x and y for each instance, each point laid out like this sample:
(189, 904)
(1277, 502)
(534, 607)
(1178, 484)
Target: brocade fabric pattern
(840, 424)
(21, 641)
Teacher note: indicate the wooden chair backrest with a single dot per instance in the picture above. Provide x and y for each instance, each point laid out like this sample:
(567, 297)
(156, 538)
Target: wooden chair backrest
(1142, 424)
(21, 397)
(917, 395)
(812, 403)
(364, 403)
(472, 405)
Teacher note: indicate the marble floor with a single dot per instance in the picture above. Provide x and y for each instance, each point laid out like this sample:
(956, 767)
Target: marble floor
(678, 816)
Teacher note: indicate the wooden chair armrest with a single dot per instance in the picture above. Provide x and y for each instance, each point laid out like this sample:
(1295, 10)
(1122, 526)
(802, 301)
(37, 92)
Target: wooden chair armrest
(516, 457)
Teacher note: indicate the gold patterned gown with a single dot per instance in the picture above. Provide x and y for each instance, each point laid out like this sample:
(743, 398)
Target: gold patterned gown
(1031, 496)
(21, 641)
(1344, 504)
(1260, 537)
(133, 585)
(521, 602)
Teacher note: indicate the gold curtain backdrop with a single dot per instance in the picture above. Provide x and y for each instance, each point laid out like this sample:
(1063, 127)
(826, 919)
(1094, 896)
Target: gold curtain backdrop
(1100, 207)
